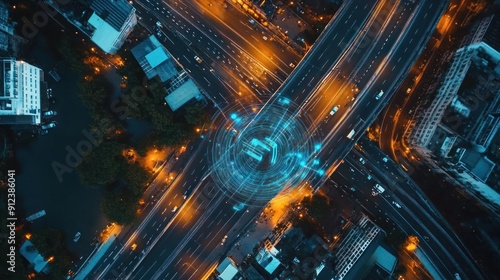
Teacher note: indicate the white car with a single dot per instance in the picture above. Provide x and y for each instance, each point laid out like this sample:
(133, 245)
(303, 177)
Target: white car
(362, 160)
(396, 204)
(334, 110)
(174, 209)
(385, 159)
(198, 59)
(264, 37)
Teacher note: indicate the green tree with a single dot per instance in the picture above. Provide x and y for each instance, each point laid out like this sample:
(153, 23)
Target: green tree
(137, 178)
(92, 96)
(103, 165)
(120, 207)
(317, 206)
(47, 241)
(195, 115)
(161, 120)
(173, 135)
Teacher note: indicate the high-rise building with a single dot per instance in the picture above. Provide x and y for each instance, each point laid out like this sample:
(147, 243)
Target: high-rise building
(20, 88)
(112, 21)
(6, 27)
(467, 103)
(354, 245)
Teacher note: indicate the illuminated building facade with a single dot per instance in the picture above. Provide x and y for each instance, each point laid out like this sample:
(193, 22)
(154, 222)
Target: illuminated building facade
(21, 85)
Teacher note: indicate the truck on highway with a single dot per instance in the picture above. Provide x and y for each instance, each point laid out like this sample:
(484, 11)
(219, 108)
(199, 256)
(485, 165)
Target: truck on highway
(379, 95)
(351, 134)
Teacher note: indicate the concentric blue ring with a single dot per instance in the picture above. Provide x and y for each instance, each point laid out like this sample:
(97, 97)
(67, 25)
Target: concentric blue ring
(257, 153)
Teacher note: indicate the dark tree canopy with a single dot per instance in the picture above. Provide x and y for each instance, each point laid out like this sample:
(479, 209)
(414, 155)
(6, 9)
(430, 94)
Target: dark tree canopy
(120, 207)
(103, 165)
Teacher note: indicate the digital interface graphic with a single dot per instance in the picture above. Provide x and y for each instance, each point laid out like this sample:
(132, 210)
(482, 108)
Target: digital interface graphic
(257, 153)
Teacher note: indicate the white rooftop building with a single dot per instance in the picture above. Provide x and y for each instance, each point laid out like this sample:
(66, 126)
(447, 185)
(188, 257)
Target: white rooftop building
(20, 87)
(113, 21)
(226, 270)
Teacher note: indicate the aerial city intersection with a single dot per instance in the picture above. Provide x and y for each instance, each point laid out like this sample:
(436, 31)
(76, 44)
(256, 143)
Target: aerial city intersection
(283, 177)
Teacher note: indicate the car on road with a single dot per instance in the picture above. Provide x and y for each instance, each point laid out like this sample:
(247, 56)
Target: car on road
(385, 159)
(369, 177)
(134, 246)
(362, 160)
(198, 59)
(49, 125)
(251, 21)
(334, 110)
(396, 204)
(49, 113)
(264, 37)
(175, 209)
(223, 240)
(291, 65)
(351, 134)
(379, 95)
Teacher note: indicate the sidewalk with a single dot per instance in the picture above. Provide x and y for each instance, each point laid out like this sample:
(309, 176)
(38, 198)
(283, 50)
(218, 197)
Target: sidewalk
(98, 254)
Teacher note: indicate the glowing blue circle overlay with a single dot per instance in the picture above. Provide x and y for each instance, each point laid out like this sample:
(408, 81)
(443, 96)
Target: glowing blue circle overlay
(255, 155)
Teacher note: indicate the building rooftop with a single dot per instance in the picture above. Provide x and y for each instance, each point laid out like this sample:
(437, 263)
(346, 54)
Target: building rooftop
(355, 249)
(154, 59)
(491, 37)
(267, 261)
(252, 274)
(384, 259)
(226, 270)
(114, 12)
(479, 165)
(31, 254)
(182, 94)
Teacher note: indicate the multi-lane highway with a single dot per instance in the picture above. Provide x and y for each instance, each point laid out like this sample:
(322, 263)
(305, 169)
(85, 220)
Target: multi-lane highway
(404, 204)
(365, 48)
(398, 114)
(242, 54)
